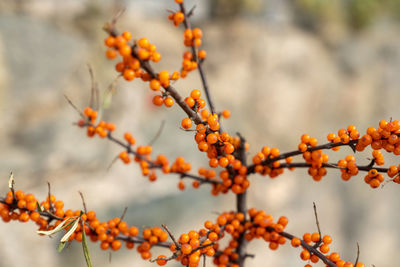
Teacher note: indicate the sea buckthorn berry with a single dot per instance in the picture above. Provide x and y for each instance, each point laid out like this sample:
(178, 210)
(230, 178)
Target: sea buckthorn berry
(313, 141)
(186, 123)
(305, 255)
(143, 54)
(125, 50)
(327, 239)
(178, 18)
(195, 94)
(158, 100)
(143, 43)
(302, 147)
(315, 237)
(203, 146)
(188, 35)
(274, 152)
(129, 74)
(181, 185)
(324, 248)
(186, 249)
(223, 162)
(212, 138)
(213, 236)
(202, 54)
(190, 101)
(155, 85)
(197, 33)
(161, 260)
(111, 53)
(168, 101)
(109, 41)
(295, 242)
(156, 57)
(226, 114)
(163, 77)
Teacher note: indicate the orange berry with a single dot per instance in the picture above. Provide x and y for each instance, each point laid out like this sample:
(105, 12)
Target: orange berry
(143, 43)
(168, 101)
(197, 33)
(186, 123)
(111, 53)
(190, 101)
(212, 138)
(156, 57)
(202, 54)
(226, 114)
(161, 260)
(195, 94)
(305, 255)
(295, 242)
(155, 85)
(125, 50)
(179, 17)
(163, 77)
(158, 100)
(143, 54)
(129, 74)
(109, 41)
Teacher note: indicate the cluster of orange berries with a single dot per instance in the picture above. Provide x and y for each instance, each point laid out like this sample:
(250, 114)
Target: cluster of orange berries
(348, 167)
(192, 245)
(315, 240)
(344, 136)
(102, 128)
(130, 66)
(262, 225)
(386, 137)
(24, 207)
(374, 178)
(27, 206)
(272, 169)
(151, 236)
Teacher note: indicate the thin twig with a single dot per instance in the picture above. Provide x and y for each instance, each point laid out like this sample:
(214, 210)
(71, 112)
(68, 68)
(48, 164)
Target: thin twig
(358, 254)
(112, 162)
(171, 235)
(124, 213)
(94, 91)
(83, 201)
(49, 196)
(316, 220)
(158, 133)
(74, 107)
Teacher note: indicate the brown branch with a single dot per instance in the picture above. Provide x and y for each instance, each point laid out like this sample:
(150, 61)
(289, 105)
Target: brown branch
(187, 25)
(83, 202)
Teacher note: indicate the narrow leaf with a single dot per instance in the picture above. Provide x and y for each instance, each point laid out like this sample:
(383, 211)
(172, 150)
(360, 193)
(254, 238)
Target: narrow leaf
(64, 224)
(70, 231)
(85, 246)
(39, 208)
(61, 246)
(11, 181)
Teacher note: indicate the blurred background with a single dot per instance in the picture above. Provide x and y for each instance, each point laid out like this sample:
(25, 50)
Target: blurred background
(283, 68)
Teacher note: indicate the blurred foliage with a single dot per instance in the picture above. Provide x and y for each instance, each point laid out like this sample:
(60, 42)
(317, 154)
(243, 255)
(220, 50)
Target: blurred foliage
(356, 14)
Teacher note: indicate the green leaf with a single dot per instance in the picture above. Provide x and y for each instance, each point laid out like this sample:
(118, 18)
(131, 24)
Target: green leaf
(71, 230)
(39, 208)
(85, 246)
(64, 224)
(61, 246)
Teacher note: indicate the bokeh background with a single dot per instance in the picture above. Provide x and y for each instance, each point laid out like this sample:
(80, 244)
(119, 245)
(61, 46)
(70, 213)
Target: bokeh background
(283, 68)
